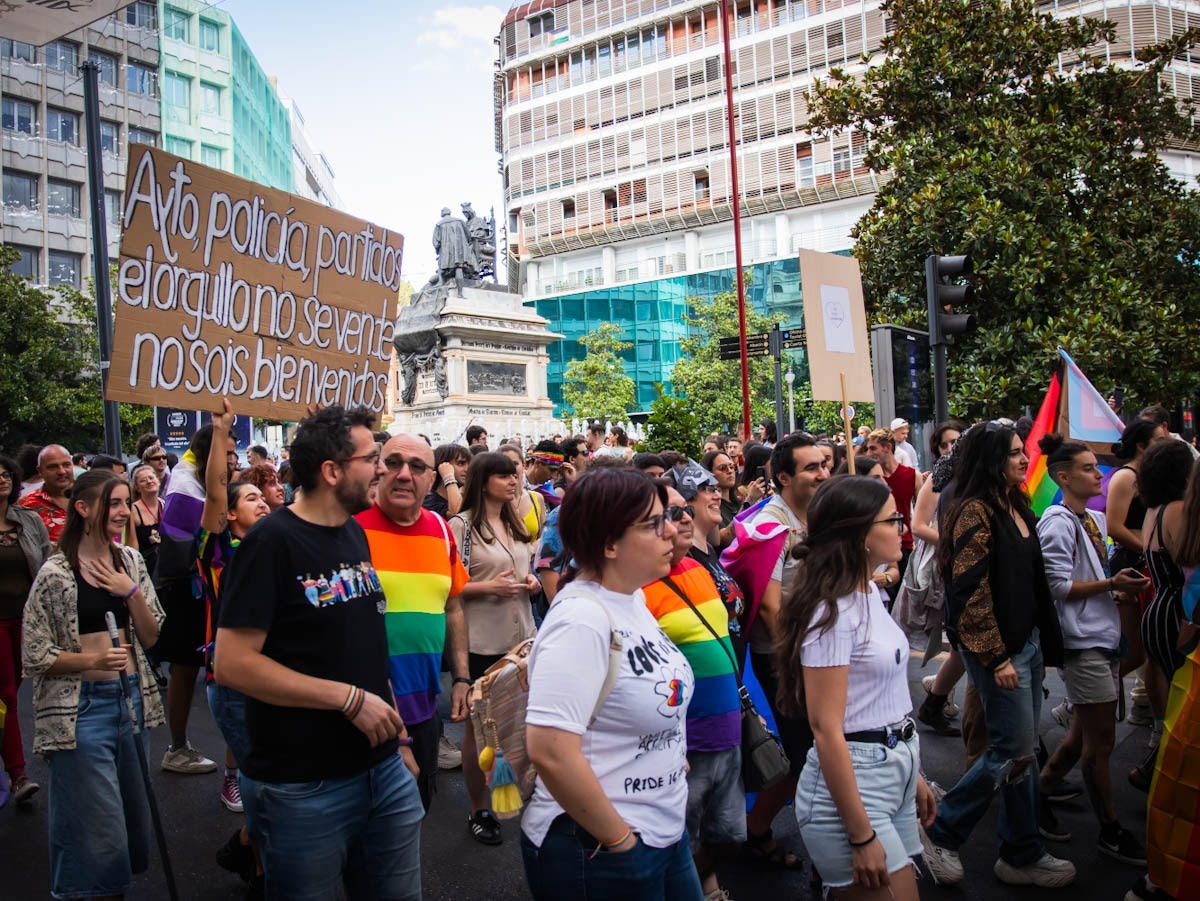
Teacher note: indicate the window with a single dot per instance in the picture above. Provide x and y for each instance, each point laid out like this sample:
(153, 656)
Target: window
(177, 90)
(108, 67)
(142, 136)
(62, 197)
(64, 268)
(701, 187)
(18, 115)
(212, 156)
(842, 164)
(210, 99)
(210, 36)
(62, 125)
(62, 56)
(610, 206)
(805, 175)
(112, 210)
(26, 265)
(109, 136)
(175, 24)
(141, 79)
(10, 49)
(20, 190)
(568, 209)
(543, 24)
(143, 14)
(178, 146)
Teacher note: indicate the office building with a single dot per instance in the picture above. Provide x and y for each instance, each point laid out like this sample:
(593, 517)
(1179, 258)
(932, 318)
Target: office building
(611, 125)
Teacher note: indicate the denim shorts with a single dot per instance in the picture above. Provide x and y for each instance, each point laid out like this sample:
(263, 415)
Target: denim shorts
(99, 815)
(228, 706)
(887, 784)
(716, 805)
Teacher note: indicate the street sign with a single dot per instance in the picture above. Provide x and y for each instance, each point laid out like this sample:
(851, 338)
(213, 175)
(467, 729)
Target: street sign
(794, 338)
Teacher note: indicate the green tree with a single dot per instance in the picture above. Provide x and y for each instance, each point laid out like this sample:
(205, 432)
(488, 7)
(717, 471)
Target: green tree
(1009, 138)
(596, 386)
(671, 426)
(713, 387)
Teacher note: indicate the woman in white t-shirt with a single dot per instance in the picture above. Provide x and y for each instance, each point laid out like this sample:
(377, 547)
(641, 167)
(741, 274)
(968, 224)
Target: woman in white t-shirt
(607, 731)
(859, 794)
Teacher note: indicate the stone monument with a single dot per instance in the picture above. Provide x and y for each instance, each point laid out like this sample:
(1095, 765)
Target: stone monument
(468, 350)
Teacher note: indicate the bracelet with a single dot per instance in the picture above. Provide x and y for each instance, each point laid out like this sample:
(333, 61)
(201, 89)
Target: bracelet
(864, 842)
(405, 741)
(450, 482)
(463, 679)
(620, 841)
(354, 704)
(349, 699)
(1110, 583)
(132, 591)
(1003, 663)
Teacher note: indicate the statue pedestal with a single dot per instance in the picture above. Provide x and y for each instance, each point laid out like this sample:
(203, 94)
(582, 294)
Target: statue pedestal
(495, 356)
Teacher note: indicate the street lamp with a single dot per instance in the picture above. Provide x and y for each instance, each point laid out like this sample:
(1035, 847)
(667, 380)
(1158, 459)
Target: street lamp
(790, 378)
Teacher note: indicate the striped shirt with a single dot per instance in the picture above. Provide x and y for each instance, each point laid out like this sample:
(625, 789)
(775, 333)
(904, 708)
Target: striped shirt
(419, 568)
(714, 721)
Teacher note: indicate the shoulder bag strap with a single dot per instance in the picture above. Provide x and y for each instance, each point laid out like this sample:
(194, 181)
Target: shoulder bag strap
(465, 550)
(616, 647)
(670, 583)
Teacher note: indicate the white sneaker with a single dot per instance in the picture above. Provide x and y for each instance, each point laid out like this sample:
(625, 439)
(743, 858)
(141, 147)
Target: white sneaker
(187, 760)
(449, 757)
(1048, 872)
(1062, 715)
(942, 863)
(949, 709)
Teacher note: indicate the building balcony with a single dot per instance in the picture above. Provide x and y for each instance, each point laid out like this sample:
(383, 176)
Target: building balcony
(67, 226)
(25, 224)
(21, 144)
(67, 154)
(215, 124)
(180, 50)
(214, 61)
(571, 281)
(21, 71)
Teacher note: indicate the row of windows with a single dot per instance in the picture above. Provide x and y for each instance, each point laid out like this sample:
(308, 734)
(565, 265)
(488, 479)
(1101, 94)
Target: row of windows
(21, 116)
(177, 25)
(21, 192)
(209, 155)
(62, 267)
(177, 92)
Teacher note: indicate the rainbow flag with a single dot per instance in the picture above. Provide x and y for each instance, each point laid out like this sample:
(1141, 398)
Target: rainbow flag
(1074, 408)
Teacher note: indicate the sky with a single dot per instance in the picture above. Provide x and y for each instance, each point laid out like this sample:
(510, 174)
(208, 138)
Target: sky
(398, 96)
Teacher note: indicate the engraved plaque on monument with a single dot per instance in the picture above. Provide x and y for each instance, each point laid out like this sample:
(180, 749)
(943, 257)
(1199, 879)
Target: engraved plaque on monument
(486, 377)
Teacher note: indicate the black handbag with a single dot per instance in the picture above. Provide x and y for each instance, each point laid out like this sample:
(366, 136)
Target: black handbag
(763, 759)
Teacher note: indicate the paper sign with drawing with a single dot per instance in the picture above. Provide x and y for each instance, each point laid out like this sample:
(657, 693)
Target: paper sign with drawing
(226, 288)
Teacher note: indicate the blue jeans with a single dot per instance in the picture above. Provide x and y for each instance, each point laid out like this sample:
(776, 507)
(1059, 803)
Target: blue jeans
(99, 816)
(364, 831)
(567, 867)
(1011, 716)
(228, 706)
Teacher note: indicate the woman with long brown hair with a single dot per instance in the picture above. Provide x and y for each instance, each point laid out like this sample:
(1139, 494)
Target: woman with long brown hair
(99, 818)
(495, 549)
(843, 660)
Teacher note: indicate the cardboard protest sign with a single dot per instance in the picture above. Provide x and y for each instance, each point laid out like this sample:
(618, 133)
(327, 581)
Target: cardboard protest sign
(226, 288)
(835, 323)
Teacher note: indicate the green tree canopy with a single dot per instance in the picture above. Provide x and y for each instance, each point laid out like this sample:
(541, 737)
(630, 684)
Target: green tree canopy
(1009, 138)
(713, 387)
(671, 426)
(596, 386)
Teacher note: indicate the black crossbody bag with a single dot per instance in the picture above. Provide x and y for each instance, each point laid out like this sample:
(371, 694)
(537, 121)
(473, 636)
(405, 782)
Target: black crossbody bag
(763, 760)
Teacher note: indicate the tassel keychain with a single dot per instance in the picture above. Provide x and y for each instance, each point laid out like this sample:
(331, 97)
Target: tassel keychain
(506, 797)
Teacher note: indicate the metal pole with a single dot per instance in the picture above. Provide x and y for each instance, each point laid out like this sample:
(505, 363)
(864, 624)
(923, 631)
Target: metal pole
(95, 161)
(777, 353)
(737, 218)
(791, 379)
(937, 343)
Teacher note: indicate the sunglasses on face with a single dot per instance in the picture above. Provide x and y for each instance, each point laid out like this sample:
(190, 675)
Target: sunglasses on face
(157, 458)
(395, 463)
(676, 513)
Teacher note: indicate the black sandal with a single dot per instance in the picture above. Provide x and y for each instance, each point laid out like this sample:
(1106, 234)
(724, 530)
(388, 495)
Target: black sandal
(755, 848)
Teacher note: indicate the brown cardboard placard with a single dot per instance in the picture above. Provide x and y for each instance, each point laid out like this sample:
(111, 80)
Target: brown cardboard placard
(226, 288)
(835, 323)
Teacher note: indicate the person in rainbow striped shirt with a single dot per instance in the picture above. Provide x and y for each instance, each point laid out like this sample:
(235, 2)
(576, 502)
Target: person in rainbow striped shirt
(716, 806)
(417, 563)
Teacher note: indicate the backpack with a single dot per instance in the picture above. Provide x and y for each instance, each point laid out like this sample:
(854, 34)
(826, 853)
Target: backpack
(497, 702)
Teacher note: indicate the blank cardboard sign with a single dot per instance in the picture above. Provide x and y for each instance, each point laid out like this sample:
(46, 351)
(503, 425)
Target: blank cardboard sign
(836, 327)
(226, 288)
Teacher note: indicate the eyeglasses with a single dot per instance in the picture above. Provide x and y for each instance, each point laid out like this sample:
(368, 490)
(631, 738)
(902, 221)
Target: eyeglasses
(657, 524)
(372, 457)
(710, 489)
(5, 476)
(895, 519)
(417, 466)
(676, 513)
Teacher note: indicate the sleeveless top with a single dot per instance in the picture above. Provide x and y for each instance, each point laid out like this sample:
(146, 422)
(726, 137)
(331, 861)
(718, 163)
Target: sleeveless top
(1136, 514)
(148, 535)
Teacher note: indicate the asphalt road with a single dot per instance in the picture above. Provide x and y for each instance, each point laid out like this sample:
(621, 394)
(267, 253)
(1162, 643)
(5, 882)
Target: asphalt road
(456, 868)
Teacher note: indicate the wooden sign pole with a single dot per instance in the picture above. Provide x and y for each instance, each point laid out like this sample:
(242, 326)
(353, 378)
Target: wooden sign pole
(846, 427)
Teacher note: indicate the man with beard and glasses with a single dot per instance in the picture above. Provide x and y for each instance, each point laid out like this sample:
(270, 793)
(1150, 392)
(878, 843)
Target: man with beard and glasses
(302, 633)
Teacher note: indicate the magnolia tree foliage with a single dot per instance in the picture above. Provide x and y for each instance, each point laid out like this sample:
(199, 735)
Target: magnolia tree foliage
(596, 386)
(1009, 138)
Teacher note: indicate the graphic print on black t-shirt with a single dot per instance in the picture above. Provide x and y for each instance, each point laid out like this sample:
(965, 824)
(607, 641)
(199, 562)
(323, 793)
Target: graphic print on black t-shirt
(342, 584)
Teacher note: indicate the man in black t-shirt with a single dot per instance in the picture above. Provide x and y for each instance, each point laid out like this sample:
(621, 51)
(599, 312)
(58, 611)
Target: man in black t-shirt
(326, 794)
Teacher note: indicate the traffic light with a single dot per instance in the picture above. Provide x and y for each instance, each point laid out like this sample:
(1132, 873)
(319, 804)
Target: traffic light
(944, 293)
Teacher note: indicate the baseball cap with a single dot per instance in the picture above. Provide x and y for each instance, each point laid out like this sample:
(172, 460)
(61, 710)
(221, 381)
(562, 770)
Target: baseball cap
(690, 477)
(898, 424)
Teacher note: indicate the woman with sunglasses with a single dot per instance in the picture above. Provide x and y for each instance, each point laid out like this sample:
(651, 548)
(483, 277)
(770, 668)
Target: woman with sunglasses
(497, 553)
(843, 660)
(705, 496)
(99, 816)
(605, 728)
(24, 545)
(1000, 615)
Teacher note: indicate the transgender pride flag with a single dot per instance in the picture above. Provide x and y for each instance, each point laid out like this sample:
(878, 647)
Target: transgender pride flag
(1076, 410)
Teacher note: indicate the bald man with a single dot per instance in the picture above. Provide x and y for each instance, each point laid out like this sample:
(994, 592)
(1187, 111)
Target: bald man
(50, 502)
(415, 556)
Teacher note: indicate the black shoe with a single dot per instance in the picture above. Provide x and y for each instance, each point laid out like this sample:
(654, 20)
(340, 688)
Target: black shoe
(932, 713)
(236, 857)
(1120, 844)
(1049, 827)
(485, 827)
(1144, 890)
(1063, 791)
